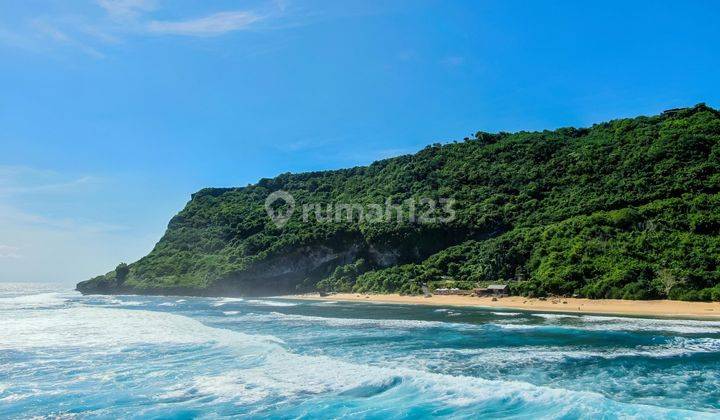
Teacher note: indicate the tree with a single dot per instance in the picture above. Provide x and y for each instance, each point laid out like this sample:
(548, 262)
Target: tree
(667, 279)
(121, 272)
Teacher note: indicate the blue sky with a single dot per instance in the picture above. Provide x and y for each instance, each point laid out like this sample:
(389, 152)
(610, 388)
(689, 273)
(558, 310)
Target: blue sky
(112, 112)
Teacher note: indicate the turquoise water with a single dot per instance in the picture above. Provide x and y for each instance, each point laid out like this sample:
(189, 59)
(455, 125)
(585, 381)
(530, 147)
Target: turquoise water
(62, 354)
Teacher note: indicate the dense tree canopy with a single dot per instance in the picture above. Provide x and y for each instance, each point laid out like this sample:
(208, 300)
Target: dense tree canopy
(624, 209)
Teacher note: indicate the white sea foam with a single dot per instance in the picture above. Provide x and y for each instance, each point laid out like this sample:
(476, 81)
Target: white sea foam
(229, 313)
(110, 328)
(34, 301)
(9, 289)
(108, 300)
(352, 322)
(613, 323)
(513, 356)
(648, 324)
(270, 302)
(447, 311)
(11, 398)
(508, 325)
(556, 316)
(224, 301)
(506, 313)
(588, 323)
(131, 303)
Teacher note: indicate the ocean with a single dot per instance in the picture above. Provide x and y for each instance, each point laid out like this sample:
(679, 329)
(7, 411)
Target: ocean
(63, 355)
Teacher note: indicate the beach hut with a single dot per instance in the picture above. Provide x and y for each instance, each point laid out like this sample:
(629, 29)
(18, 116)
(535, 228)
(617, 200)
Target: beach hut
(493, 290)
(499, 289)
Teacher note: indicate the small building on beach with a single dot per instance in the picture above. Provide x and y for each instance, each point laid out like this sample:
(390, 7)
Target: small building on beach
(496, 290)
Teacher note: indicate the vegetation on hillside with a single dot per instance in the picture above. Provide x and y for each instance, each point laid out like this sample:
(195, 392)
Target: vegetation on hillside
(624, 209)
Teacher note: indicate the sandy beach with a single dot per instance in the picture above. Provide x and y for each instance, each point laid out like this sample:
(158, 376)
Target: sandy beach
(649, 308)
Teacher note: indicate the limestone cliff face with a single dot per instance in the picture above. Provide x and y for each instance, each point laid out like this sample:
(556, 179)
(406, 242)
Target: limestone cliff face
(284, 273)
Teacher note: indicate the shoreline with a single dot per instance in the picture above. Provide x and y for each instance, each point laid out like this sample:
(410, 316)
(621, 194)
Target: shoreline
(645, 308)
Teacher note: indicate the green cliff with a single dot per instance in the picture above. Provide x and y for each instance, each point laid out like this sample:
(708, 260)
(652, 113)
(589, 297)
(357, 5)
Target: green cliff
(623, 209)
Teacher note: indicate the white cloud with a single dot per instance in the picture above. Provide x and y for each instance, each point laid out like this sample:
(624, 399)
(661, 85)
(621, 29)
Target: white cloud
(22, 187)
(61, 187)
(16, 217)
(50, 32)
(93, 31)
(127, 8)
(15, 180)
(11, 172)
(215, 24)
(7, 251)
